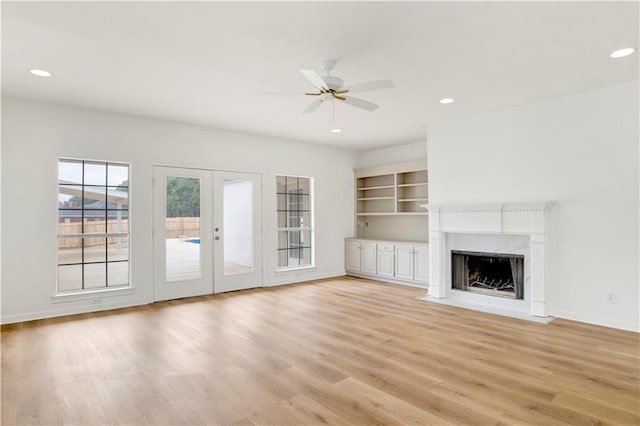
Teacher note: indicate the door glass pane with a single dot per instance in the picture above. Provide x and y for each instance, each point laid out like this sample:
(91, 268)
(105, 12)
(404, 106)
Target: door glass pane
(238, 226)
(182, 229)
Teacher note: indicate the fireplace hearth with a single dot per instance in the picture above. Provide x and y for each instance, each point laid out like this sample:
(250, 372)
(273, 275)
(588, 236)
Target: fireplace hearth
(494, 274)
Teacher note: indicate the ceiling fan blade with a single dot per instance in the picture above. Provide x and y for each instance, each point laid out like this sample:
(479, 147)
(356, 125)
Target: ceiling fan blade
(359, 103)
(315, 79)
(314, 106)
(313, 93)
(371, 85)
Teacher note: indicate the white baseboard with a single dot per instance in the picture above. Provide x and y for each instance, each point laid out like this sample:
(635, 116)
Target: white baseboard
(389, 280)
(300, 278)
(605, 322)
(70, 310)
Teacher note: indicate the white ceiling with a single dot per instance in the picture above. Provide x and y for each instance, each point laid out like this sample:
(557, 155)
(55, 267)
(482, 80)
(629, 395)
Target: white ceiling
(206, 63)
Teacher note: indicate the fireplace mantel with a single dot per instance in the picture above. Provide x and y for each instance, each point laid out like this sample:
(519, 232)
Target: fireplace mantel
(525, 218)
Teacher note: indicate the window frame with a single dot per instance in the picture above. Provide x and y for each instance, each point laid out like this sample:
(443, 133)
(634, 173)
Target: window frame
(108, 211)
(310, 227)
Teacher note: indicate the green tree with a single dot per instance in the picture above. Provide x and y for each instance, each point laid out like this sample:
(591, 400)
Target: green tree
(183, 197)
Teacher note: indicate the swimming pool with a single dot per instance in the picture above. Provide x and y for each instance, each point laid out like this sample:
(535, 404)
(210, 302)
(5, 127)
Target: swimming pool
(192, 240)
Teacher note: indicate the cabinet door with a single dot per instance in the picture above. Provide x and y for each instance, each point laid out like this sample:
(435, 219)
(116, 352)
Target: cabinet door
(404, 262)
(368, 258)
(352, 254)
(386, 260)
(422, 263)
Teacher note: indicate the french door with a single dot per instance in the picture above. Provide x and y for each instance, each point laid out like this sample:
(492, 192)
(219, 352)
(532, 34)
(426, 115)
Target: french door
(207, 232)
(237, 230)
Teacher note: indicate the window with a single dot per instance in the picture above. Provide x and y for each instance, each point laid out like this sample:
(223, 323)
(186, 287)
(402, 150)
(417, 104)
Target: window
(295, 221)
(93, 225)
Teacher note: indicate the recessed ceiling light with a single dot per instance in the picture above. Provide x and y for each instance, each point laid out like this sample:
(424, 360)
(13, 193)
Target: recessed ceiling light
(40, 73)
(336, 130)
(446, 100)
(621, 53)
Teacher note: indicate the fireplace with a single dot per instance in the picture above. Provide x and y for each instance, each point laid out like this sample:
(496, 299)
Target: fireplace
(474, 223)
(494, 274)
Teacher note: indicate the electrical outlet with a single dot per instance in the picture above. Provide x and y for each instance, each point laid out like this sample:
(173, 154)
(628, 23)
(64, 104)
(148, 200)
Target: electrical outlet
(96, 301)
(611, 298)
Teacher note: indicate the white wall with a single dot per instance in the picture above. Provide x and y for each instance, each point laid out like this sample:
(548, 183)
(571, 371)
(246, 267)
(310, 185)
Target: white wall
(580, 151)
(394, 154)
(34, 134)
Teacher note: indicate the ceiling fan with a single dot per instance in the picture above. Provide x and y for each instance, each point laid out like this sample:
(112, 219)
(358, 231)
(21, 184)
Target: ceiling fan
(330, 88)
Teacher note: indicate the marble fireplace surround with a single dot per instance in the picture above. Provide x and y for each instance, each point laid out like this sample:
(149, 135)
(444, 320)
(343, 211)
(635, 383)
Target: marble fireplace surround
(502, 221)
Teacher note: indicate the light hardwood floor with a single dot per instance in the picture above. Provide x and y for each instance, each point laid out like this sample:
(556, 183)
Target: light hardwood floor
(343, 351)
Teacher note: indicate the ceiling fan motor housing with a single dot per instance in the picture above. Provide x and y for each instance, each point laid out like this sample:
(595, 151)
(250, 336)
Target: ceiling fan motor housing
(333, 83)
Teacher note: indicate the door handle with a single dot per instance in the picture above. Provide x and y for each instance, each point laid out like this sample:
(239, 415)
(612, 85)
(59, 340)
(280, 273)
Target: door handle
(216, 238)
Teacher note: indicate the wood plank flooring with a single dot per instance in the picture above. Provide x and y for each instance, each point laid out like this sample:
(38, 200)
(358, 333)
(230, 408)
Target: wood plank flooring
(337, 351)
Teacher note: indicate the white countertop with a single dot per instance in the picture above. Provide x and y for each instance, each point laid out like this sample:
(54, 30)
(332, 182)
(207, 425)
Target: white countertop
(375, 240)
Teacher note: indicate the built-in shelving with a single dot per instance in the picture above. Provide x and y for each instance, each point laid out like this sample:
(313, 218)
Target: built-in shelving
(388, 202)
(401, 191)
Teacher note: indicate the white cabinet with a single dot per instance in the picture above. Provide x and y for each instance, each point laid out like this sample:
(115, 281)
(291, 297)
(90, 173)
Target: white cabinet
(422, 264)
(360, 256)
(352, 252)
(368, 258)
(392, 261)
(412, 262)
(386, 263)
(404, 262)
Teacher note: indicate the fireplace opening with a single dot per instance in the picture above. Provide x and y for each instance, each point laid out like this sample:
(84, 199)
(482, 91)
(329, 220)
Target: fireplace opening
(494, 274)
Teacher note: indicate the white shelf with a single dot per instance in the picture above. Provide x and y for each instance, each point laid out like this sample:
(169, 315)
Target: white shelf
(406, 200)
(376, 187)
(375, 198)
(404, 185)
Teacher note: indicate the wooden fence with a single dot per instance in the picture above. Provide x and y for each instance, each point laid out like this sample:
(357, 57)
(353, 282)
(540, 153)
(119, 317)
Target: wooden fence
(187, 227)
(176, 227)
